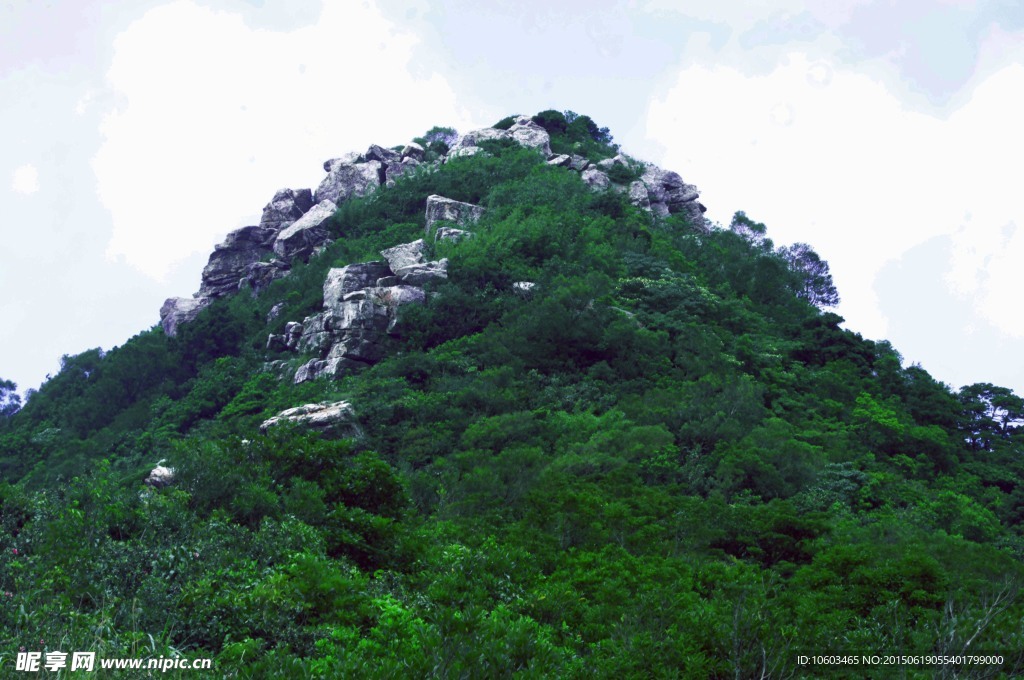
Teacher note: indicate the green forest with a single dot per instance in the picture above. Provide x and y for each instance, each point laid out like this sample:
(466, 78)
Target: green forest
(668, 460)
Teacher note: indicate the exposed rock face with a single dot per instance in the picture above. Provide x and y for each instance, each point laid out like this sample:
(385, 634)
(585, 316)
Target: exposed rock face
(259, 275)
(638, 195)
(444, 209)
(337, 417)
(228, 261)
(352, 331)
(285, 207)
(362, 309)
(347, 180)
(351, 279)
(178, 311)
(160, 477)
(300, 239)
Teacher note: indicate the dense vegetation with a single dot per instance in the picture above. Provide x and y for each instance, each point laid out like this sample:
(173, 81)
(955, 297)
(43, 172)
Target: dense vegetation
(668, 461)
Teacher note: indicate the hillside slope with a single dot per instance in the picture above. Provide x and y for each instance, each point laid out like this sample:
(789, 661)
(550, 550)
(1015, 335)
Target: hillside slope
(576, 430)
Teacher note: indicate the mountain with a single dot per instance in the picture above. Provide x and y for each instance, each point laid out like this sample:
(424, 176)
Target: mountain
(506, 402)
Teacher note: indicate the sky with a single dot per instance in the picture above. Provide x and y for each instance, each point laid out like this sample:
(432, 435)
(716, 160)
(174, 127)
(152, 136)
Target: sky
(885, 133)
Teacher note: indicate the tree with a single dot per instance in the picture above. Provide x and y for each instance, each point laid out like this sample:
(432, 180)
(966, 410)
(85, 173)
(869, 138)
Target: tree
(989, 412)
(438, 139)
(10, 401)
(817, 287)
(754, 232)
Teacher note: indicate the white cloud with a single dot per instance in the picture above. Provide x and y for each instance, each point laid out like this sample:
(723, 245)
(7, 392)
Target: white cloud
(213, 117)
(853, 172)
(25, 180)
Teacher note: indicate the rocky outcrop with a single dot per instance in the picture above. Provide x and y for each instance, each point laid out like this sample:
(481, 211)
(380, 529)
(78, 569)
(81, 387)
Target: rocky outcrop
(668, 194)
(638, 195)
(384, 156)
(259, 275)
(229, 259)
(409, 264)
(349, 180)
(414, 151)
(355, 327)
(293, 228)
(396, 170)
(298, 241)
(361, 312)
(441, 209)
(285, 207)
(178, 311)
(337, 418)
(524, 131)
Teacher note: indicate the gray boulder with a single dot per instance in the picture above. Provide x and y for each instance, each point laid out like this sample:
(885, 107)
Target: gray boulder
(595, 179)
(355, 277)
(307, 233)
(638, 195)
(275, 312)
(414, 151)
(177, 311)
(396, 170)
(451, 234)
(408, 262)
(350, 158)
(405, 255)
(444, 209)
(347, 180)
(396, 297)
(531, 135)
(668, 194)
(524, 289)
(578, 163)
(420, 274)
(464, 151)
(160, 476)
(385, 156)
(336, 417)
(229, 260)
(285, 207)
(473, 139)
(560, 160)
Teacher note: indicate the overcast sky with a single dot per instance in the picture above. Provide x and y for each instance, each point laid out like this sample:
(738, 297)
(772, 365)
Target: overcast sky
(887, 134)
